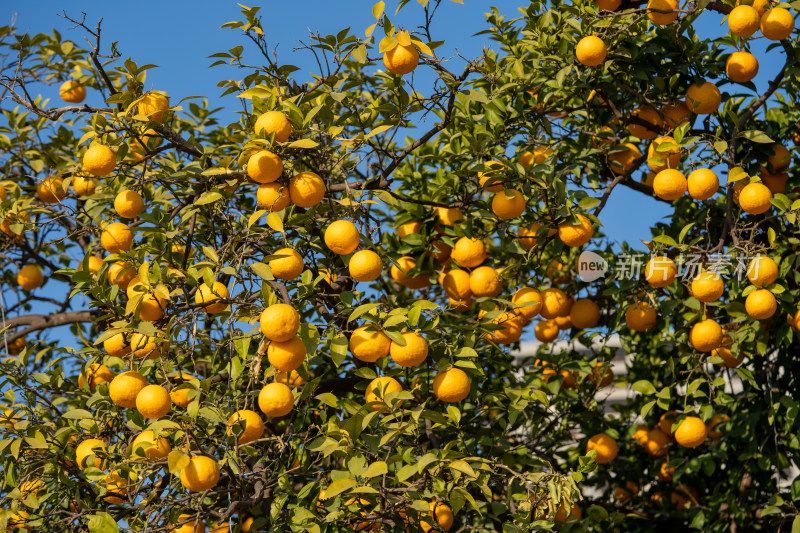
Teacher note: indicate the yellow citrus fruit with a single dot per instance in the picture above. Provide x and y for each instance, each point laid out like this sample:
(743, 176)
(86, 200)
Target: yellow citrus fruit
(762, 271)
(640, 316)
(660, 271)
(190, 525)
(706, 335)
(728, 359)
(511, 329)
(703, 99)
(83, 185)
(674, 114)
(153, 401)
(116, 487)
(665, 472)
(743, 20)
(402, 59)
(754, 198)
(30, 277)
(144, 346)
(563, 322)
(645, 123)
(274, 122)
(574, 235)
(90, 447)
(469, 252)
(451, 385)
(365, 265)
(760, 304)
(179, 393)
(207, 295)
(153, 448)
(116, 237)
(663, 153)
(276, 400)
(121, 273)
(99, 160)
(715, 420)
(662, 19)
(554, 303)
(777, 24)
(669, 184)
(601, 375)
(201, 474)
(124, 388)
(776, 183)
(605, 446)
(288, 265)
(622, 158)
(128, 204)
(378, 389)
(707, 286)
(492, 180)
(306, 189)
(291, 379)
(508, 204)
(691, 432)
(51, 190)
(441, 514)
(779, 158)
(154, 105)
(400, 273)
(409, 228)
(146, 141)
(656, 442)
(666, 421)
(413, 353)
(280, 322)
(741, 67)
(264, 167)
(449, 215)
(368, 343)
(252, 427)
(456, 284)
(623, 494)
(608, 5)
(584, 314)
(288, 355)
(71, 91)
(591, 51)
(273, 196)
(150, 303)
(484, 281)
(702, 184)
(527, 302)
(95, 375)
(117, 345)
(94, 264)
(341, 237)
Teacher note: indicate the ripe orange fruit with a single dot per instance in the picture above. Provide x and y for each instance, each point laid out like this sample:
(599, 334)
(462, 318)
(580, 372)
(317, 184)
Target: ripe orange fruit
(622, 158)
(95, 375)
(492, 180)
(341, 237)
(274, 122)
(574, 235)
(264, 167)
(706, 335)
(554, 303)
(87, 448)
(144, 346)
(378, 389)
(201, 474)
(665, 422)
(741, 67)
(151, 447)
(623, 494)
(669, 184)
(527, 302)
(608, 5)
(51, 190)
(180, 395)
(306, 189)
(656, 442)
(287, 356)
(777, 24)
(662, 19)
(94, 264)
(584, 314)
(276, 400)
(124, 388)
(640, 316)
(153, 401)
(605, 446)
(652, 123)
(400, 273)
(663, 153)
(754, 198)
(365, 265)
(128, 204)
(99, 160)
(703, 99)
(121, 273)
(508, 204)
(449, 215)
(675, 114)
(441, 514)
(154, 104)
(206, 296)
(702, 184)
(743, 20)
(288, 264)
(117, 345)
(591, 51)
(691, 432)
(279, 322)
(401, 60)
(760, 304)
(715, 420)
(456, 284)
(413, 353)
(30, 277)
(762, 271)
(116, 237)
(469, 252)
(190, 525)
(660, 271)
(484, 281)
(273, 196)
(511, 329)
(601, 375)
(451, 385)
(707, 286)
(71, 91)
(368, 343)
(291, 379)
(83, 186)
(252, 427)
(409, 228)
(546, 331)
(779, 159)
(665, 472)
(728, 359)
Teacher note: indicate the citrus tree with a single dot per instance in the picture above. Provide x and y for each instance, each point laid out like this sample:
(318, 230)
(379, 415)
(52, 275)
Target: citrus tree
(308, 319)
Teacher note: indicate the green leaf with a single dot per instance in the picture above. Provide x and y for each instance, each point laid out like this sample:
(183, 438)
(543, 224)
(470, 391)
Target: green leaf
(303, 143)
(177, 461)
(77, 414)
(756, 136)
(208, 198)
(666, 239)
(339, 349)
(102, 523)
(588, 203)
(378, 468)
(339, 486)
(644, 386)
